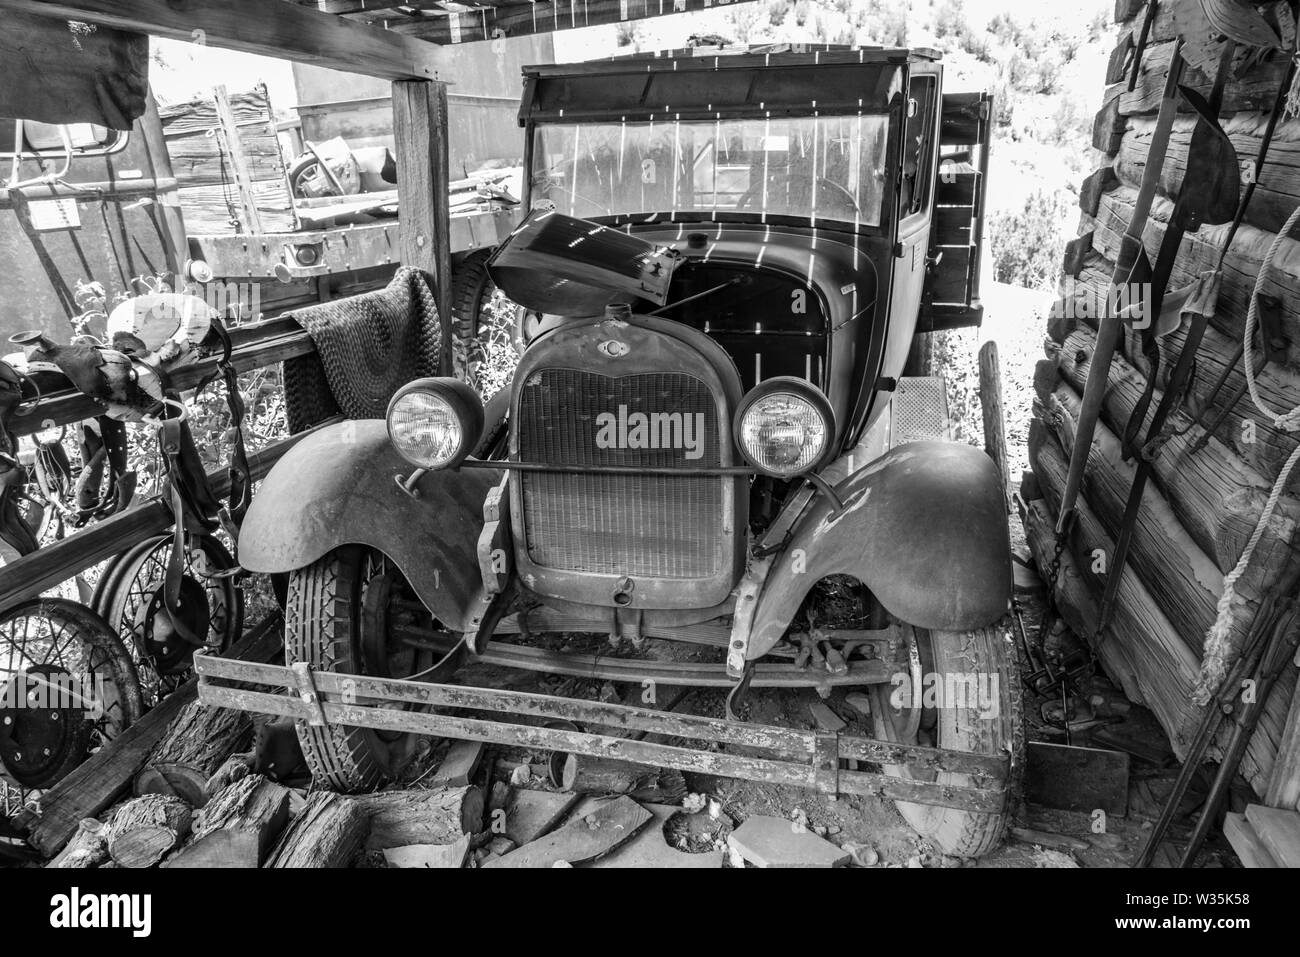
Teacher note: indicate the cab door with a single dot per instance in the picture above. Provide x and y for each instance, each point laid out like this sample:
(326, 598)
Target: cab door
(915, 209)
(951, 296)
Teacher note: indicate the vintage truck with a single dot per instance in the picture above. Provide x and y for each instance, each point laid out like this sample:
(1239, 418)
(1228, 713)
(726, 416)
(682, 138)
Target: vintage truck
(709, 437)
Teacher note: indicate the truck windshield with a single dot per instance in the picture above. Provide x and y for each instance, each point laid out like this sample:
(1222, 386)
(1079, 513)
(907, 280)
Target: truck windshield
(812, 168)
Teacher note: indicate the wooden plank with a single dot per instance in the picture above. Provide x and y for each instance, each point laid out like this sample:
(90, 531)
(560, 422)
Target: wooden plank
(420, 130)
(1279, 831)
(160, 171)
(544, 16)
(1284, 780)
(94, 785)
(1076, 779)
(282, 31)
(1255, 91)
(232, 145)
(584, 839)
(1250, 849)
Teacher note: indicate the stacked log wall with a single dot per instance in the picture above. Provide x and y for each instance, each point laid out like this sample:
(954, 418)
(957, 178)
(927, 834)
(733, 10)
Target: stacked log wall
(1200, 507)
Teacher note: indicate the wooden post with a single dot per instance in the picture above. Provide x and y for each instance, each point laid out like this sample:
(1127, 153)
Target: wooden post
(168, 204)
(233, 146)
(420, 131)
(995, 435)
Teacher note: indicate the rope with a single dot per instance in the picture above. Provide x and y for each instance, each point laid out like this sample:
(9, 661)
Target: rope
(1217, 646)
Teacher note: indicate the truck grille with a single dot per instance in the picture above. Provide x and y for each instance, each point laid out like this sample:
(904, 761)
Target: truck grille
(636, 525)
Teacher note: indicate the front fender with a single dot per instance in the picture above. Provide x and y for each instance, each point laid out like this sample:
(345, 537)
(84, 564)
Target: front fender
(336, 487)
(924, 528)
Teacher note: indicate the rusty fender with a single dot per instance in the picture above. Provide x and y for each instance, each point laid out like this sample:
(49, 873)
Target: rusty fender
(924, 527)
(337, 487)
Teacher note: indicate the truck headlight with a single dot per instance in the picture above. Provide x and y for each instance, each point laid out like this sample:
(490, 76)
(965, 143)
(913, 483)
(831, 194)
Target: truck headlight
(434, 423)
(784, 427)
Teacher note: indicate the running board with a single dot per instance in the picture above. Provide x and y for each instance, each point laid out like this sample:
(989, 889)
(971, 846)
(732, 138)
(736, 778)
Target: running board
(773, 755)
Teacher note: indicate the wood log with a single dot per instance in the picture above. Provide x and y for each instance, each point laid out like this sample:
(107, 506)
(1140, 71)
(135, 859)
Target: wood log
(144, 829)
(88, 847)
(1179, 575)
(1108, 125)
(589, 775)
(328, 832)
(1255, 91)
(1164, 668)
(202, 738)
(254, 804)
(1199, 253)
(91, 788)
(1098, 183)
(1203, 43)
(1217, 496)
(434, 816)
(1284, 780)
(235, 848)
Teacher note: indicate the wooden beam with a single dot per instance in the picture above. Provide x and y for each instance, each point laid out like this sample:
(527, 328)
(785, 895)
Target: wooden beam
(271, 28)
(543, 16)
(168, 201)
(232, 143)
(420, 130)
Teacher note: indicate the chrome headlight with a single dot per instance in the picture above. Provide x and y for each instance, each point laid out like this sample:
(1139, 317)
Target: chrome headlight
(784, 427)
(435, 423)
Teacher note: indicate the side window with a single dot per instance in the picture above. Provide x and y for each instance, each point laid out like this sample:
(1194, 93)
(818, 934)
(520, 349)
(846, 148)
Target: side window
(918, 143)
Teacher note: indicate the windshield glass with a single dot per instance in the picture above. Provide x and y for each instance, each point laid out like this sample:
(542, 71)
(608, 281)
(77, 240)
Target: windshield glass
(830, 167)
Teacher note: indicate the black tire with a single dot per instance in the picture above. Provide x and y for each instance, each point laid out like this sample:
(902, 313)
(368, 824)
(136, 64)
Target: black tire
(960, 726)
(322, 627)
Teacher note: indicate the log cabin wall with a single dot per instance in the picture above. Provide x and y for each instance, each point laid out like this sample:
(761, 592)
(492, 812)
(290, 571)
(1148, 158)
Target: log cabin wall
(1200, 507)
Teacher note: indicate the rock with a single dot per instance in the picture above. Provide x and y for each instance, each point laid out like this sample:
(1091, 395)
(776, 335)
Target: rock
(734, 857)
(914, 862)
(772, 842)
(825, 718)
(864, 855)
(694, 803)
(521, 775)
(649, 849)
(501, 845)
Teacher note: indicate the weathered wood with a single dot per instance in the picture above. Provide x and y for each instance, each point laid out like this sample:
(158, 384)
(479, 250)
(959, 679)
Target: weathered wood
(1217, 496)
(1279, 831)
(1250, 849)
(458, 764)
(144, 829)
(282, 31)
(584, 839)
(1181, 577)
(90, 788)
(1254, 91)
(1108, 125)
(589, 775)
(88, 847)
(228, 848)
(1098, 182)
(1284, 780)
(254, 804)
(1162, 665)
(328, 832)
(995, 434)
(435, 816)
(202, 738)
(420, 127)
(1076, 251)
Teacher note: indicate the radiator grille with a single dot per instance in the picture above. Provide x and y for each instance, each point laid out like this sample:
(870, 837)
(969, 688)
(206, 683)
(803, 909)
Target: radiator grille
(648, 526)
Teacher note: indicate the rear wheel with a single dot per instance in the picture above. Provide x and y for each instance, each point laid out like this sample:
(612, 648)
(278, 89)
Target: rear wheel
(982, 717)
(345, 613)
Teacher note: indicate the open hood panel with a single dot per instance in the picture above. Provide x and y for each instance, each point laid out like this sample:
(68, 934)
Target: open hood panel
(564, 266)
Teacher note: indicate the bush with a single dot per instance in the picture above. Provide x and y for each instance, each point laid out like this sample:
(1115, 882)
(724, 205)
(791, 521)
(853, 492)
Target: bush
(1026, 246)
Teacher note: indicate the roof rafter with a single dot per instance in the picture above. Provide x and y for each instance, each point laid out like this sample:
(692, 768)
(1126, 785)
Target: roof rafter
(283, 30)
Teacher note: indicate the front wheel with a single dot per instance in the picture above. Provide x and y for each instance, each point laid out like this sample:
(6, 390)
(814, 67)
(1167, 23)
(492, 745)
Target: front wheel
(960, 694)
(352, 612)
